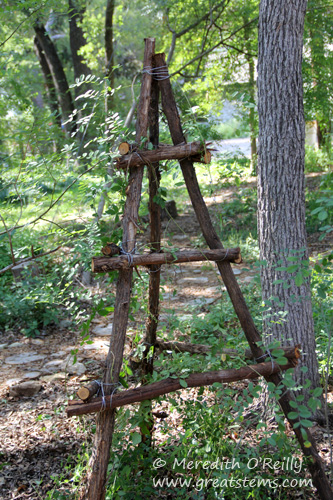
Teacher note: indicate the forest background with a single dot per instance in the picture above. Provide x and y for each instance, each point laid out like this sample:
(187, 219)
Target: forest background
(70, 77)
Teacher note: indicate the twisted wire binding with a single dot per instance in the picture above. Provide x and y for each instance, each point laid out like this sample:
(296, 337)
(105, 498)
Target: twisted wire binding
(128, 254)
(268, 352)
(101, 390)
(159, 73)
(112, 393)
(226, 255)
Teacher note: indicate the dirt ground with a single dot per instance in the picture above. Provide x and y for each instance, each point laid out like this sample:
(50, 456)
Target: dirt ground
(36, 437)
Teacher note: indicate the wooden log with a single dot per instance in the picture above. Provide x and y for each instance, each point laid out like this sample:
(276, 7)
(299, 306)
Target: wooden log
(170, 109)
(86, 392)
(111, 249)
(168, 385)
(123, 148)
(93, 485)
(105, 264)
(140, 157)
(288, 352)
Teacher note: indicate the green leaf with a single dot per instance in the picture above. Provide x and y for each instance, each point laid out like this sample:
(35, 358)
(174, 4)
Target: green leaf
(183, 382)
(292, 415)
(317, 392)
(312, 403)
(306, 423)
(281, 361)
(292, 269)
(136, 438)
(323, 215)
(321, 293)
(299, 279)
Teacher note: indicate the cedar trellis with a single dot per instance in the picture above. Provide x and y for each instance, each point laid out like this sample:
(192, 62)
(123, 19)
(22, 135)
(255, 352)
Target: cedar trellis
(156, 81)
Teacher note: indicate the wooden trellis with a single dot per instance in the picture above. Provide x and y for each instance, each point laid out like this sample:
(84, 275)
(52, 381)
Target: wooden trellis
(156, 83)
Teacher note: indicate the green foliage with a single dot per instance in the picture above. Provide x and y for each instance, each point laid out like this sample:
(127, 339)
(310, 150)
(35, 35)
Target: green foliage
(316, 160)
(320, 207)
(317, 66)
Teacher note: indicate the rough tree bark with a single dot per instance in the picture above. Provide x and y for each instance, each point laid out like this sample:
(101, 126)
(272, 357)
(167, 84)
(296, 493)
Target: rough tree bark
(58, 75)
(77, 41)
(49, 85)
(109, 49)
(281, 198)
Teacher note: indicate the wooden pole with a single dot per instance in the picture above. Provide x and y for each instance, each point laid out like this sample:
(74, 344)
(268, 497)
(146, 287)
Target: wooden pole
(253, 337)
(105, 264)
(152, 391)
(154, 177)
(95, 482)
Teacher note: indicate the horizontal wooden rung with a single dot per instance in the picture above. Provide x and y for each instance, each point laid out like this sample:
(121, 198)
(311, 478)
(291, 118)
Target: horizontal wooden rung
(105, 264)
(168, 385)
(138, 157)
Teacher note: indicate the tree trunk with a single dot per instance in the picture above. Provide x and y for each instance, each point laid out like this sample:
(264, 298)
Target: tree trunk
(77, 41)
(58, 75)
(109, 50)
(49, 85)
(281, 198)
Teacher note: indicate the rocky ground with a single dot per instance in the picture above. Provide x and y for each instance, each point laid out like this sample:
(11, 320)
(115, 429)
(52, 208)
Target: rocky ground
(37, 375)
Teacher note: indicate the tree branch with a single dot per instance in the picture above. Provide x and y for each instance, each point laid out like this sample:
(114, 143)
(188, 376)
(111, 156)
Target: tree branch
(8, 268)
(52, 204)
(208, 51)
(19, 26)
(176, 35)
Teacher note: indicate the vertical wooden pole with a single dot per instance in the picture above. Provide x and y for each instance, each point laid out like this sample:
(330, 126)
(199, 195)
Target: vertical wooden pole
(309, 449)
(95, 482)
(154, 177)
